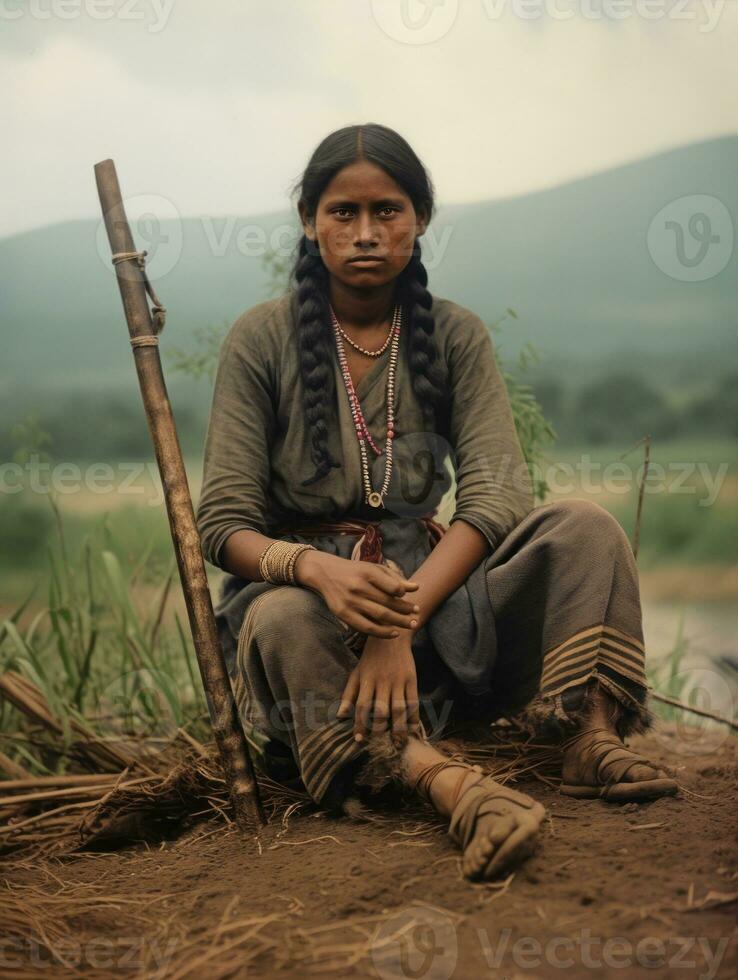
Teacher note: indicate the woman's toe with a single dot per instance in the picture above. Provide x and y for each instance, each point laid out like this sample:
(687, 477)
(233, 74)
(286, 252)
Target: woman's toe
(472, 866)
(476, 858)
(504, 841)
(493, 831)
(517, 846)
(640, 772)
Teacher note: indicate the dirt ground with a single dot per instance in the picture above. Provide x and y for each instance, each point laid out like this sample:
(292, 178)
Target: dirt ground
(645, 890)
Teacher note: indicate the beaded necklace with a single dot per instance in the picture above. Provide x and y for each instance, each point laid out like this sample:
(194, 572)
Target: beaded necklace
(373, 497)
(363, 350)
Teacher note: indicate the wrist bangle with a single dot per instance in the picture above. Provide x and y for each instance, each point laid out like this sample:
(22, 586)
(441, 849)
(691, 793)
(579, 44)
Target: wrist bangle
(277, 561)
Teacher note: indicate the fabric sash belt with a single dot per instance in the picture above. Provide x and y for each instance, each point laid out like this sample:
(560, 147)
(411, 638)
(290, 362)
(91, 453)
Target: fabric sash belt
(369, 544)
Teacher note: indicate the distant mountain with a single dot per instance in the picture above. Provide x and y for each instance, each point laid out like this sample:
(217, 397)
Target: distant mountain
(573, 261)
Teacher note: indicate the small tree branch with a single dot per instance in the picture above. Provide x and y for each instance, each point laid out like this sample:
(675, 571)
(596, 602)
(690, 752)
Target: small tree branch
(641, 489)
(695, 711)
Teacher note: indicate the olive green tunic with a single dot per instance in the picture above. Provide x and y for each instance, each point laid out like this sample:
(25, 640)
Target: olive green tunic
(257, 450)
(553, 605)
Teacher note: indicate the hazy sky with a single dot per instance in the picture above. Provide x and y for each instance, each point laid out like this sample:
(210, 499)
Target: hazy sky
(216, 107)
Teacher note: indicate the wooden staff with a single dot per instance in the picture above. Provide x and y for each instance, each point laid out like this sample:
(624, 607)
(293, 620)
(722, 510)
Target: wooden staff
(143, 329)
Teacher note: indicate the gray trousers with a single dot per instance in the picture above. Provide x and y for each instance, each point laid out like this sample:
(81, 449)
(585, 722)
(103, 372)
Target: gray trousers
(552, 609)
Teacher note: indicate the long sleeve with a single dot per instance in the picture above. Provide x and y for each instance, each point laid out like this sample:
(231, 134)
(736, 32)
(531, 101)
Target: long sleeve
(242, 423)
(494, 490)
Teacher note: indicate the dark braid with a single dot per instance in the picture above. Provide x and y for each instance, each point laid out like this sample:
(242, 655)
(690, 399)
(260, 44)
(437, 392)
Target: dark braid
(426, 371)
(314, 339)
(387, 149)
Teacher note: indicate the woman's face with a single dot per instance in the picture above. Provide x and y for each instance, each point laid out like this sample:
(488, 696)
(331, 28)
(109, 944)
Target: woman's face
(364, 212)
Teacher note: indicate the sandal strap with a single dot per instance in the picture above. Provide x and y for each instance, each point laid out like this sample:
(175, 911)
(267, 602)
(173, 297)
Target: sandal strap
(460, 783)
(583, 734)
(617, 762)
(612, 760)
(422, 782)
(464, 815)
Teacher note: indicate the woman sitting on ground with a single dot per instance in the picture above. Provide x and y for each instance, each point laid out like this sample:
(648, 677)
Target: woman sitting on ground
(355, 626)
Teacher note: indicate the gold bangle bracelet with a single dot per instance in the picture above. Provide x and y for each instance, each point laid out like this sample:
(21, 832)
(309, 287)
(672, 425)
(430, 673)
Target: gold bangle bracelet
(277, 561)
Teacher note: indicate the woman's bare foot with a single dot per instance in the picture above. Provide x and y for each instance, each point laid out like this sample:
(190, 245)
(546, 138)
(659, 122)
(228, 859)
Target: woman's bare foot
(495, 826)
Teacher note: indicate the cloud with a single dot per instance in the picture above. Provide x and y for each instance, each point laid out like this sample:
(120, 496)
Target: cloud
(220, 110)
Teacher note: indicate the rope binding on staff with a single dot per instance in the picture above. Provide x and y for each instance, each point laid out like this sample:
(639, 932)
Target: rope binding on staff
(158, 311)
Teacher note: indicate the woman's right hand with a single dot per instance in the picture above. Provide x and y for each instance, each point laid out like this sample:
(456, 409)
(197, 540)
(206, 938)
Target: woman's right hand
(364, 595)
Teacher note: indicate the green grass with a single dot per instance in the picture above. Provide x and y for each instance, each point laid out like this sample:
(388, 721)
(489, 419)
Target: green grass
(104, 654)
(98, 635)
(668, 676)
(28, 527)
(689, 512)
(99, 656)
(712, 452)
(678, 531)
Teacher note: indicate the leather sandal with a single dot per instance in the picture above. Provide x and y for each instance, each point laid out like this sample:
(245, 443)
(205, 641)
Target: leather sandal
(485, 796)
(422, 782)
(612, 761)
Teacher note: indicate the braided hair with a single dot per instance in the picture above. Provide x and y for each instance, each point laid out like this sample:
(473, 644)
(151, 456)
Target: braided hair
(388, 150)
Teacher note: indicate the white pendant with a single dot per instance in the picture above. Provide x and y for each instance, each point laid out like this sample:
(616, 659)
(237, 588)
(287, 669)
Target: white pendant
(375, 499)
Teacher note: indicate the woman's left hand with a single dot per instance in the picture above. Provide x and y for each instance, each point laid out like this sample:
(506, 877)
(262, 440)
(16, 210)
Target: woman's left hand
(384, 680)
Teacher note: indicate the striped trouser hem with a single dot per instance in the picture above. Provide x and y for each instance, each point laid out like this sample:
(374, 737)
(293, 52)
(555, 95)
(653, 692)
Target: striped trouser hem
(324, 751)
(611, 657)
(573, 662)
